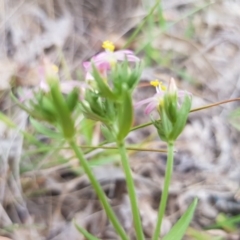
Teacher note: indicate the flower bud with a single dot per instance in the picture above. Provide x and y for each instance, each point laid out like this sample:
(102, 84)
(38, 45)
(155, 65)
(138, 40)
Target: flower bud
(172, 87)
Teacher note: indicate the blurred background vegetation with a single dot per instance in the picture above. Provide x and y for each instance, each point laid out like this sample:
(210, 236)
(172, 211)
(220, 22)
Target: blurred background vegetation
(42, 186)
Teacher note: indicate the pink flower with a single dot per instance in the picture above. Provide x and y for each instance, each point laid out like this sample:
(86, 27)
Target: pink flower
(157, 99)
(102, 68)
(104, 61)
(48, 70)
(66, 87)
(153, 102)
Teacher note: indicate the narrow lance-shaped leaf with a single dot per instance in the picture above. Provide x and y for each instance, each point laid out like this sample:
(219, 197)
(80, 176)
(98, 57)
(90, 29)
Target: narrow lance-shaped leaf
(125, 117)
(85, 233)
(46, 108)
(107, 133)
(159, 127)
(86, 110)
(27, 110)
(72, 99)
(7, 121)
(179, 229)
(103, 87)
(181, 118)
(165, 123)
(171, 106)
(44, 130)
(63, 111)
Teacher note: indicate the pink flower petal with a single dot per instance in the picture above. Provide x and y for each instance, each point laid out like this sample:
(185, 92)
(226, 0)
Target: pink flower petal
(104, 66)
(68, 86)
(150, 107)
(122, 54)
(28, 94)
(182, 93)
(87, 65)
(103, 61)
(153, 102)
(44, 86)
(89, 76)
(101, 56)
(143, 102)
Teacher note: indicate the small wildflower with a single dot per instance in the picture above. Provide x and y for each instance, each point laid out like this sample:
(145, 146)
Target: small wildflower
(104, 61)
(153, 103)
(157, 100)
(48, 70)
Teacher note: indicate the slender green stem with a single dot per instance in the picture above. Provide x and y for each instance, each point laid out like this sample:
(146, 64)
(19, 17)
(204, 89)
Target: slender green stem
(141, 126)
(138, 29)
(100, 193)
(164, 196)
(131, 192)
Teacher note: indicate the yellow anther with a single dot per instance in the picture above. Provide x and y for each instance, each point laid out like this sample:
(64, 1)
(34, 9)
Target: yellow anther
(107, 45)
(54, 68)
(155, 83)
(158, 84)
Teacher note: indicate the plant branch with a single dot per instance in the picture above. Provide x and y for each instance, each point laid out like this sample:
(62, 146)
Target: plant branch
(193, 110)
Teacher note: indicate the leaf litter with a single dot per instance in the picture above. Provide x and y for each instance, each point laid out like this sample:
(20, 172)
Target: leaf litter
(205, 61)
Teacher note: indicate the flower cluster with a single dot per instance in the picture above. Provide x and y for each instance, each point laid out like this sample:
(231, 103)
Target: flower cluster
(110, 100)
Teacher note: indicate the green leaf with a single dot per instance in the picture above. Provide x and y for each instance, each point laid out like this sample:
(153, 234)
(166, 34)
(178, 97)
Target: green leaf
(84, 232)
(200, 235)
(72, 99)
(7, 121)
(105, 159)
(165, 123)
(94, 103)
(104, 90)
(88, 113)
(62, 109)
(125, 115)
(234, 118)
(121, 74)
(171, 106)
(22, 106)
(44, 130)
(159, 127)
(87, 129)
(229, 224)
(182, 117)
(107, 133)
(179, 229)
(46, 109)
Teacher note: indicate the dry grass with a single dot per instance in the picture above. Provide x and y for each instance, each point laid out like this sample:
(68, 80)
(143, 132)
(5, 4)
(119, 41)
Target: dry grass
(202, 51)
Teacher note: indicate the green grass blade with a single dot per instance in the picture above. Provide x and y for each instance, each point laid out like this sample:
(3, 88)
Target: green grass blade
(84, 232)
(139, 28)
